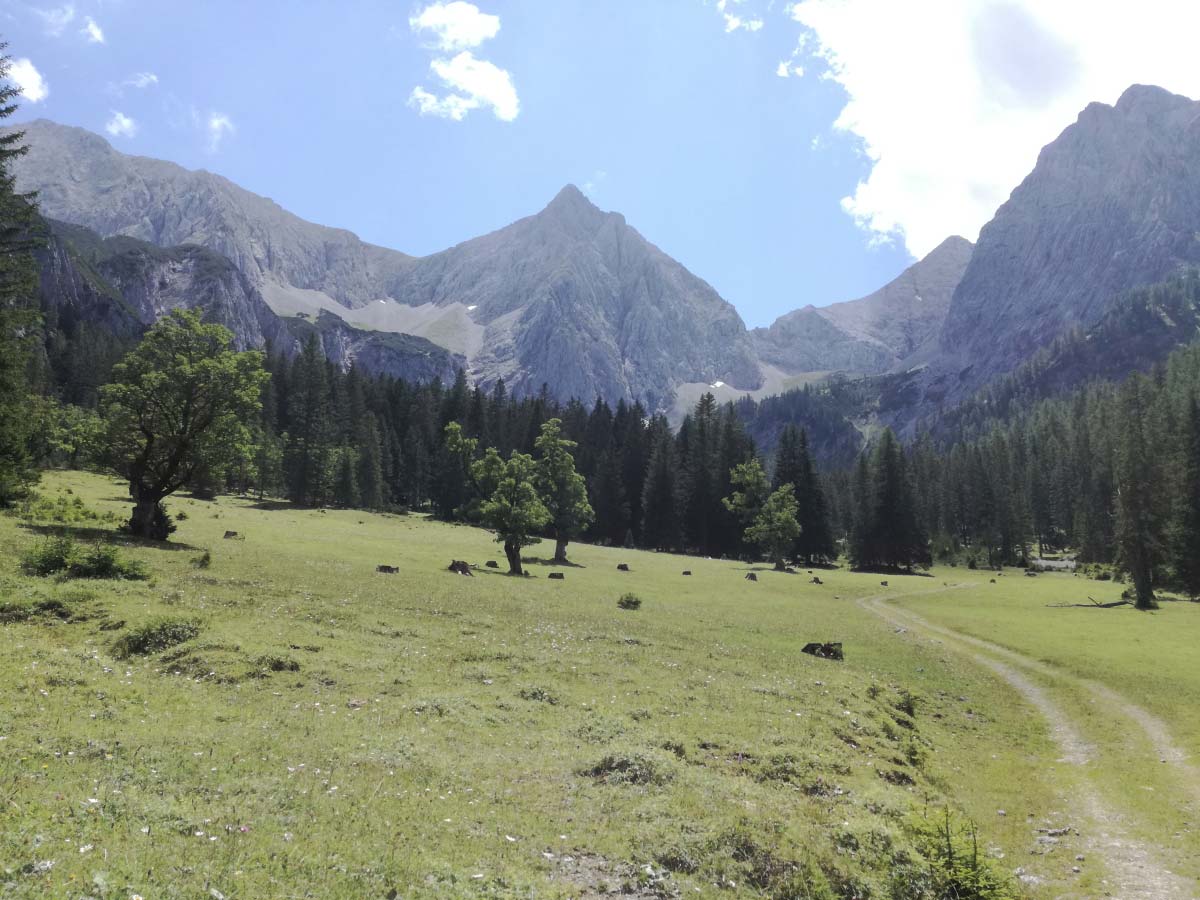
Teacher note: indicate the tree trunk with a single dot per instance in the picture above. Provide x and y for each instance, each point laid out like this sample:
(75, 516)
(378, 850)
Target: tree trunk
(780, 565)
(560, 550)
(149, 519)
(513, 551)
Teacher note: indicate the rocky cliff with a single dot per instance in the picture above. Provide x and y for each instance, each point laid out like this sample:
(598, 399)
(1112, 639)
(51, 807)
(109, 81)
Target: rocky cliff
(895, 327)
(1113, 203)
(125, 285)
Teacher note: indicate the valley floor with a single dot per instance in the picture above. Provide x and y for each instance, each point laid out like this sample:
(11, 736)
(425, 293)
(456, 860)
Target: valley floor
(334, 732)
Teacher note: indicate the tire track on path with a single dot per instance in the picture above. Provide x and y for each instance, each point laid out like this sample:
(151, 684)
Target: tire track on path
(1134, 872)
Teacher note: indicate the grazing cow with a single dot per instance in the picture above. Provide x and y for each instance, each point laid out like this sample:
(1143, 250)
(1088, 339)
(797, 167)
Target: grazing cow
(816, 580)
(230, 535)
(832, 650)
(883, 584)
(492, 564)
(387, 570)
(687, 571)
(750, 576)
(558, 576)
(622, 567)
(461, 567)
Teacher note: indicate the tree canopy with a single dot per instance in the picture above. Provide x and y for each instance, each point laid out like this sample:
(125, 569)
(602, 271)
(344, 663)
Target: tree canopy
(179, 403)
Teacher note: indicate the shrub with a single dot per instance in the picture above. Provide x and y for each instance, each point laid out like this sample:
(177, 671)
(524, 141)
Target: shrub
(630, 601)
(105, 561)
(539, 695)
(633, 767)
(52, 555)
(952, 865)
(277, 664)
(61, 554)
(203, 561)
(907, 703)
(155, 636)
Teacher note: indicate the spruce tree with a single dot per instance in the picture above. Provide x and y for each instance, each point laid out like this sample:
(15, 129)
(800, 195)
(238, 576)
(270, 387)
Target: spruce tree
(1139, 526)
(1185, 537)
(310, 437)
(18, 285)
(660, 495)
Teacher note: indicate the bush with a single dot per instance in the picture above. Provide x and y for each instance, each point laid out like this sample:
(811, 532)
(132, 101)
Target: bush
(52, 555)
(105, 561)
(630, 601)
(61, 554)
(203, 561)
(952, 865)
(155, 636)
(538, 695)
(633, 767)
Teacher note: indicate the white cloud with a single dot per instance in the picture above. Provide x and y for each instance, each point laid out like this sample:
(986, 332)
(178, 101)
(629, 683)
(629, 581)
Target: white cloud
(95, 34)
(141, 80)
(120, 125)
(592, 185)
(456, 25)
(735, 22)
(33, 86)
(472, 83)
(952, 105)
(475, 84)
(57, 18)
(218, 126)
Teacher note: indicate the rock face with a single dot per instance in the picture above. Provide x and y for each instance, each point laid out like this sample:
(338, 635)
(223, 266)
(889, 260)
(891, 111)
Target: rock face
(894, 327)
(404, 356)
(1112, 204)
(576, 299)
(125, 285)
(81, 179)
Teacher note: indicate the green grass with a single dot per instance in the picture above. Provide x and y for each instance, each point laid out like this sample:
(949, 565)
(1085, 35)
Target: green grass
(327, 731)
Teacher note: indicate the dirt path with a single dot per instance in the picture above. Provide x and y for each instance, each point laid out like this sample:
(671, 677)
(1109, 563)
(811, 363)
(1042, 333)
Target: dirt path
(1134, 873)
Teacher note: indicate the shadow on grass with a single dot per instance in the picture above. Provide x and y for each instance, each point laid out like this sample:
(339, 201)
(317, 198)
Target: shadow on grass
(89, 535)
(538, 561)
(897, 573)
(276, 505)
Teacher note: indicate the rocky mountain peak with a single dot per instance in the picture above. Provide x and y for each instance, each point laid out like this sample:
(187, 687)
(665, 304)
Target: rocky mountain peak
(573, 212)
(1113, 203)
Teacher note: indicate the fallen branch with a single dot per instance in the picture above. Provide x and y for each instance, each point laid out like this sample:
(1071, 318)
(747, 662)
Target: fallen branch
(1094, 605)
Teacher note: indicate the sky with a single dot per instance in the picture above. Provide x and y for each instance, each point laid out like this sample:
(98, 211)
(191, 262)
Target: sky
(787, 152)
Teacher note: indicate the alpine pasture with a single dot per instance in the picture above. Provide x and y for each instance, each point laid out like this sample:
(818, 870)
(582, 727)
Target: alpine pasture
(267, 715)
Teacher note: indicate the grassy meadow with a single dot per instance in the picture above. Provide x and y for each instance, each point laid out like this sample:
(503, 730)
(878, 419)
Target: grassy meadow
(267, 716)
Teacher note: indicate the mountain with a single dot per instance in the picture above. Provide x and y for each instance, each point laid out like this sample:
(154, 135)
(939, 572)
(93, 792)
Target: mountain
(575, 298)
(572, 297)
(81, 179)
(1113, 203)
(124, 285)
(896, 326)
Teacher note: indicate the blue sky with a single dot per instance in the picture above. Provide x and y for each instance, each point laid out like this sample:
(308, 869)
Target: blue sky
(886, 135)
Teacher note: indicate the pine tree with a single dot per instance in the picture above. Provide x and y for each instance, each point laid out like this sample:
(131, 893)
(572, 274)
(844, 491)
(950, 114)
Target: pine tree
(1185, 537)
(794, 465)
(607, 490)
(370, 465)
(345, 485)
(18, 284)
(1139, 527)
(306, 459)
(660, 500)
